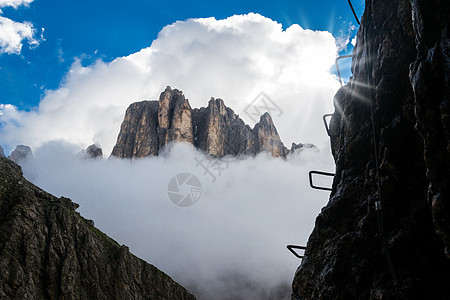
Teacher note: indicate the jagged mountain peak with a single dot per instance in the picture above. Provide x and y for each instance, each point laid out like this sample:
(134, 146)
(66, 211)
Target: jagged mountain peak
(94, 151)
(150, 125)
(217, 103)
(21, 153)
(266, 121)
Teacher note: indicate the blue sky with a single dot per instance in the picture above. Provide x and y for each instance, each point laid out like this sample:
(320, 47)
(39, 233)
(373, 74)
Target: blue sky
(92, 30)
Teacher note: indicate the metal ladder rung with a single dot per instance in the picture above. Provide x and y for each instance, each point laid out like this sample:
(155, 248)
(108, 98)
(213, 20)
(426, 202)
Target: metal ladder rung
(327, 128)
(337, 66)
(292, 247)
(319, 173)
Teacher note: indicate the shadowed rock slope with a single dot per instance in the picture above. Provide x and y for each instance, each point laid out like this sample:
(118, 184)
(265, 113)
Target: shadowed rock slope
(48, 251)
(401, 65)
(148, 126)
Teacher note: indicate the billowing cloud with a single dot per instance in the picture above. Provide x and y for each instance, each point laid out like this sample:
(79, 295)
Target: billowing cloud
(231, 244)
(234, 59)
(13, 34)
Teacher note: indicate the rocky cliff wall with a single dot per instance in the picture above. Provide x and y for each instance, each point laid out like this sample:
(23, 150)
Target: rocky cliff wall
(48, 251)
(149, 126)
(400, 78)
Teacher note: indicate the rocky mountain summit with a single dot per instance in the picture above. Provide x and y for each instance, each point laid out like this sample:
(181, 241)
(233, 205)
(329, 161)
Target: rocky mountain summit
(21, 153)
(387, 236)
(92, 152)
(148, 126)
(48, 251)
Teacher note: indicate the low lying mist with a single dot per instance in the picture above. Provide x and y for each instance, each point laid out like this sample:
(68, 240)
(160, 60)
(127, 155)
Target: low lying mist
(230, 244)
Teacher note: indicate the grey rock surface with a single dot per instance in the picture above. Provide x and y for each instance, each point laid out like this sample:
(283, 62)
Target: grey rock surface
(174, 118)
(299, 147)
(92, 152)
(21, 153)
(138, 135)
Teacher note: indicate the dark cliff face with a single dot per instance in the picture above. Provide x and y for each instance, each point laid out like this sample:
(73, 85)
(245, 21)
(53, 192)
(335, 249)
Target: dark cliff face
(430, 80)
(48, 251)
(148, 126)
(401, 66)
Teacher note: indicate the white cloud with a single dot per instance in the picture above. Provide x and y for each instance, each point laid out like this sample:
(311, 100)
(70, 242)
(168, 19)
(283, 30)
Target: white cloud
(344, 39)
(342, 42)
(354, 41)
(230, 245)
(234, 59)
(14, 3)
(13, 34)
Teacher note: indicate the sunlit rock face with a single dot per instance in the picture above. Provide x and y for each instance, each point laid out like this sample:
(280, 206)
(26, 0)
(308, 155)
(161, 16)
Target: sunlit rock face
(174, 118)
(139, 131)
(268, 138)
(403, 53)
(48, 251)
(149, 126)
